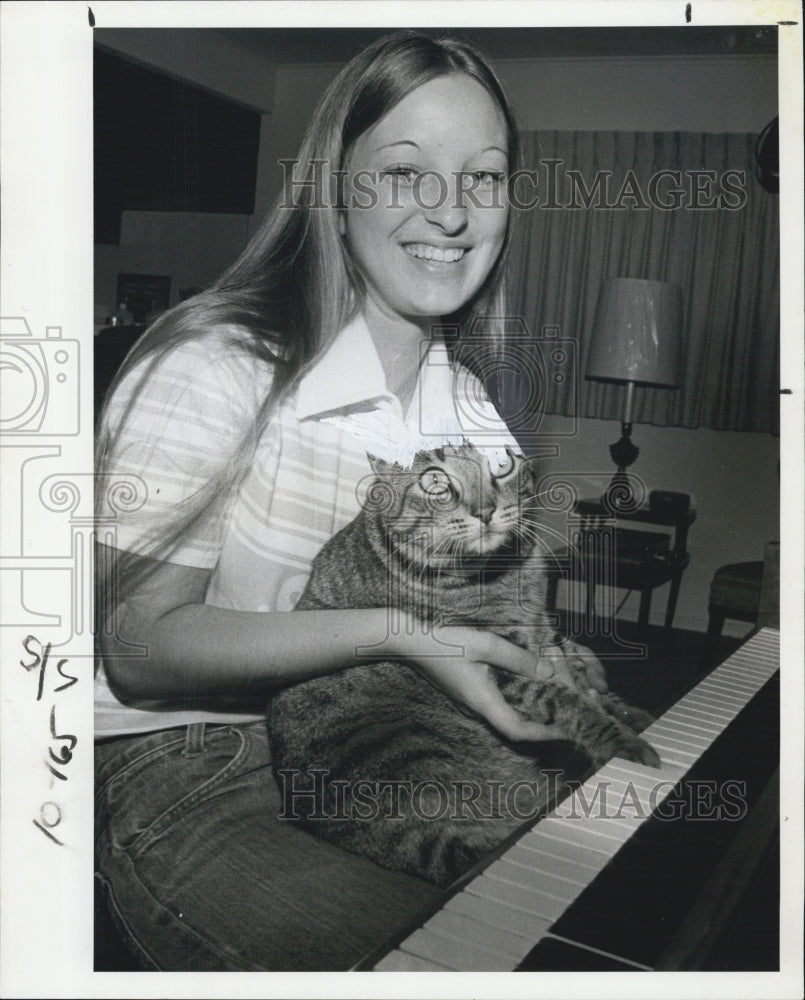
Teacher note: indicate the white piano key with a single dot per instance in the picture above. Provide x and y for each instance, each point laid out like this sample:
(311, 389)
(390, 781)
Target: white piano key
(679, 733)
(599, 801)
(616, 805)
(641, 774)
(673, 753)
(517, 896)
(618, 833)
(509, 871)
(627, 802)
(707, 726)
(622, 819)
(461, 956)
(562, 849)
(683, 741)
(659, 789)
(401, 961)
(495, 914)
(754, 671)
(735, 677)
(520, 854)
(704, 713)
(721, 696)
(462, 928)
(733, 672)
(708, 704)
(579, 833)
(707, 701)
(732, 681)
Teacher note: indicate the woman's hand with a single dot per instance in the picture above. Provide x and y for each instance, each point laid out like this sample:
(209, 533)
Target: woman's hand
(458, 660)
(588, 672)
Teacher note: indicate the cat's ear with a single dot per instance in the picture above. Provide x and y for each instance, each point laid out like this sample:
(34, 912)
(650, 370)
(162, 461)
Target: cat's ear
(529, 467)
(379, 465)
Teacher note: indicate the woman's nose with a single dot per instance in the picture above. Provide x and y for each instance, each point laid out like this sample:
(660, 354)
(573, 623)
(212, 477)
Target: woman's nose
(442, 202)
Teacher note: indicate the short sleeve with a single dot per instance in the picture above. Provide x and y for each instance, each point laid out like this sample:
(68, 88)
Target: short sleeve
(176, 427)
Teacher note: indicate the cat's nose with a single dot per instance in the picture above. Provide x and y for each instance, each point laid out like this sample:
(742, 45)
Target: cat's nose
(485, 513)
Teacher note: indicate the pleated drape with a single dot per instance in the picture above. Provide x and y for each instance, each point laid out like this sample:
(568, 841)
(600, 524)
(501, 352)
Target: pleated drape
(725, 257)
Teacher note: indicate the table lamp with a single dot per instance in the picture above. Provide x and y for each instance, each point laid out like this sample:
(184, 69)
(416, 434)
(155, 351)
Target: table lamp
(636, 340)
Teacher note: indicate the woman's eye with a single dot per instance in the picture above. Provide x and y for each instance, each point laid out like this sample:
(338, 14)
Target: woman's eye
(402, 172)
(488, 177)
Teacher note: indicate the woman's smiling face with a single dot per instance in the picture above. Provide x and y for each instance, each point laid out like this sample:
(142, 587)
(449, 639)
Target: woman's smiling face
(426, 208)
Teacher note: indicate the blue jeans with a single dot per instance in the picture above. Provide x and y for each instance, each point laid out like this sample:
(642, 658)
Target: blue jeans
(200, 874)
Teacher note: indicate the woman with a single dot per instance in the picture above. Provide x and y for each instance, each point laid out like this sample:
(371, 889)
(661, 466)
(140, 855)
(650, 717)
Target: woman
(243, 418)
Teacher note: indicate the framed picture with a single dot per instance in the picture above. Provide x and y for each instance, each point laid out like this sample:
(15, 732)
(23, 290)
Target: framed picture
(143, 294)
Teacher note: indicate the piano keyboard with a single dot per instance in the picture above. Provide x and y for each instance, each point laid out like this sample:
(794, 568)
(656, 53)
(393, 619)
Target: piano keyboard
(514, 904)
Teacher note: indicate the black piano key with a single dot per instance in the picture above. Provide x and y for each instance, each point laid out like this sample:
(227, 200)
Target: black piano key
(552, 955)
(637, 902)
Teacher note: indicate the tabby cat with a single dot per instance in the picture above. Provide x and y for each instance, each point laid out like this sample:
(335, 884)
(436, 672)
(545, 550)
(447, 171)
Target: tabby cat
(393, 770)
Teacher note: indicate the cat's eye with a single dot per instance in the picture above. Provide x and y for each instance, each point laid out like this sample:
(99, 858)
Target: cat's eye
(507, 467)
(436, 484)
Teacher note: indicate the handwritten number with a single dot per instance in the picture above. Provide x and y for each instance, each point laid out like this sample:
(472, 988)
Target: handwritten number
(68, 677)
(72, 740)
(25, 645)
(66, 753)
(47, 833)
(40, 661)
(50, 814)
(47, 820)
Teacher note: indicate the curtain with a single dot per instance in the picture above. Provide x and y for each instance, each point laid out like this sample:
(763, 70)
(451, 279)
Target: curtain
(606, 206)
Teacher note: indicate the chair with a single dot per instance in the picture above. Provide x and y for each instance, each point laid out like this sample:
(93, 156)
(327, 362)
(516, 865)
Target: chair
(746, 591)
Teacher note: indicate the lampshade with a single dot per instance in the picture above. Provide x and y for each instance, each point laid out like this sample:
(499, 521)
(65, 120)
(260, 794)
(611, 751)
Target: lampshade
(637, 334)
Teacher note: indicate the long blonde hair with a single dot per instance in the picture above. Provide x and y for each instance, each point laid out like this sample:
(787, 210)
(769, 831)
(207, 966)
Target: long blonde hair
(294, 286)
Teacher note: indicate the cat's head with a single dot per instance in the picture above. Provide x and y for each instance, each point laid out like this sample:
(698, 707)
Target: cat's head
(455, 503)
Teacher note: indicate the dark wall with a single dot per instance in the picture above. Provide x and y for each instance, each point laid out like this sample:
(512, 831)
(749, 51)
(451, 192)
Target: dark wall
(163, 145)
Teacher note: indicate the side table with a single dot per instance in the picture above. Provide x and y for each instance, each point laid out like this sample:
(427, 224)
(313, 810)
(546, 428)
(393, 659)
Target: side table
(628, 559)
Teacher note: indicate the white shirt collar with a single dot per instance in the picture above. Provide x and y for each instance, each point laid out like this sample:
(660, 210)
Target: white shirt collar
(347, 388)
(348, 373)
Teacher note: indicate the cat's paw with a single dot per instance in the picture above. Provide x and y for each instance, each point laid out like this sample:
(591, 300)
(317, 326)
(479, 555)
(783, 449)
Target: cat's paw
(637, 749)
(638, 719)
(635, 718)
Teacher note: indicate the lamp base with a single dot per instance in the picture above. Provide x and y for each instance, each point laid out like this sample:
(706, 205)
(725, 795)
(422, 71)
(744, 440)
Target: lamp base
(620, 496)
(623, 452)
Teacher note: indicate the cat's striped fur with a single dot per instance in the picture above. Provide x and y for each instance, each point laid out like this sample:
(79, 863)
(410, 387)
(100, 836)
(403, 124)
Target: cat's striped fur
(457, 545)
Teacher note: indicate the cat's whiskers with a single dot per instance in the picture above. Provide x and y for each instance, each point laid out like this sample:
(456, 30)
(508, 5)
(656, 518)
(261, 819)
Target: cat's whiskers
(447, 547)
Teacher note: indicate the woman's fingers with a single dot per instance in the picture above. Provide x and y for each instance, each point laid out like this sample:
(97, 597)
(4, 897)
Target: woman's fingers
(483, 696)
(473, 688)
(586, 659)
(553, 666)
(513, 726)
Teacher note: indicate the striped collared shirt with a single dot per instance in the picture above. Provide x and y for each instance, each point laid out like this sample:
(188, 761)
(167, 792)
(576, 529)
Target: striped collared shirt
(308, 472)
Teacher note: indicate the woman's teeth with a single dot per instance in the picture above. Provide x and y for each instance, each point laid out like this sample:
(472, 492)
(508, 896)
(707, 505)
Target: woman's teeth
(427, 252)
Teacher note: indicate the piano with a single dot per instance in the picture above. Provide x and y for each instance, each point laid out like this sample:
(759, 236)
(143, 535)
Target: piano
(636, 868)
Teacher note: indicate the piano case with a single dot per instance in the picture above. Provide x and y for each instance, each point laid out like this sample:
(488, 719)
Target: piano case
(659, 886)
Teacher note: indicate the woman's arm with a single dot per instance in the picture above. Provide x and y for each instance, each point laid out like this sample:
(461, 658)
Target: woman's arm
(196, 653)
